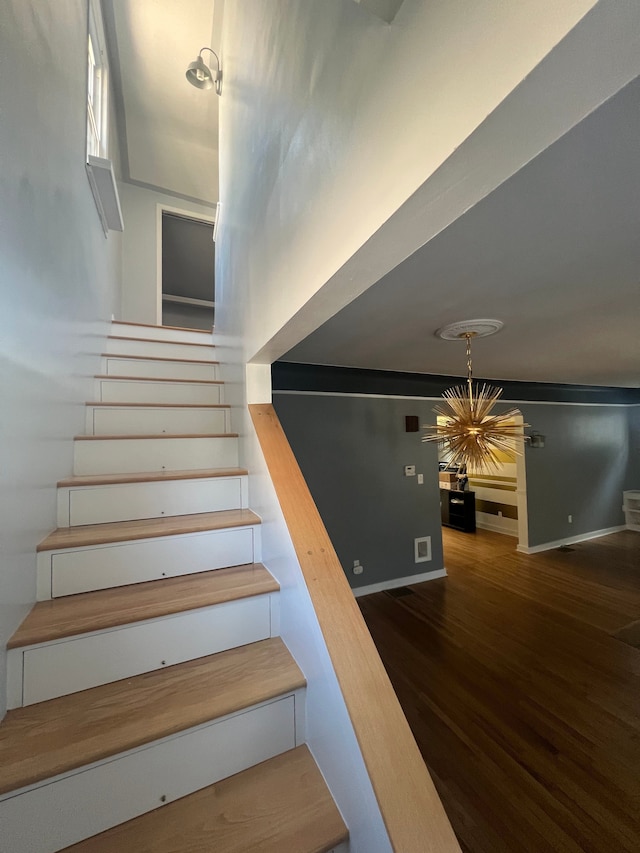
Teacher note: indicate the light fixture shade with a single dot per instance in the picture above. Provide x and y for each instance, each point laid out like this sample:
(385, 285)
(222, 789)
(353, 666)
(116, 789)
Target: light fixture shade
(468, 433)
(199, 74)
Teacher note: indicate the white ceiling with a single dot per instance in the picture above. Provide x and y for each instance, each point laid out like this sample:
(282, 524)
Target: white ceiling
(170, 129)
(554, 253)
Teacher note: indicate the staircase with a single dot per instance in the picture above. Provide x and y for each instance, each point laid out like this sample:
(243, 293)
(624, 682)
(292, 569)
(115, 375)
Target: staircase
(153, 705)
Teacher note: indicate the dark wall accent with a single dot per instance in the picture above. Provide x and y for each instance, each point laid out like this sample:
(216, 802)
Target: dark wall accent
(188, 257)
(187, 316)
(352, 452)
(289, 376)
(633, 472)
(581, 471)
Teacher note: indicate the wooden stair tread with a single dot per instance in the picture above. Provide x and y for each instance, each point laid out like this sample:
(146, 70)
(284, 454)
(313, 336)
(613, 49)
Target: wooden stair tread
(160, 435)
(280, 805)
(101, 403)
(150, 477)
(157, 379)
(148, 528)
(153, 326)
(43, 740)
(96, 611)
(158, 358)
(158, 341)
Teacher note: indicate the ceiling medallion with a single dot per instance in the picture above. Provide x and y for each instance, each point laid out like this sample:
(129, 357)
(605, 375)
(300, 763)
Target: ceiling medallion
(470, 435)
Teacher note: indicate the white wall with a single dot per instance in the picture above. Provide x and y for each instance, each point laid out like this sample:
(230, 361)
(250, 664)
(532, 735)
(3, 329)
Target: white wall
(335, 127)
(139, 303)
(58, 277)
(329, 733)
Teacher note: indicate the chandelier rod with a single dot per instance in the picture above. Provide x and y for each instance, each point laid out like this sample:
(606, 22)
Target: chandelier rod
(468, 336)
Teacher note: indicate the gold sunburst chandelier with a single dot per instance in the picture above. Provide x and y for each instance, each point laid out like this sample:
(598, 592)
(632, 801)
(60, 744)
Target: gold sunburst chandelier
(468, 433)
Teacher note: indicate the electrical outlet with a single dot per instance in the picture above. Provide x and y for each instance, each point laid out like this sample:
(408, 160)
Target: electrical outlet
(357, 568)
(420, 479)
(409, 470)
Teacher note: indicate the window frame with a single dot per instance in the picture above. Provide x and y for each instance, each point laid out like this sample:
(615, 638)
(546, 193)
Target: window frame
(97, 143)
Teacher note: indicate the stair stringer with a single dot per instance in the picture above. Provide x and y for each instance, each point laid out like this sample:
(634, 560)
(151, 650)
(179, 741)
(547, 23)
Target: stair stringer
(329, 731)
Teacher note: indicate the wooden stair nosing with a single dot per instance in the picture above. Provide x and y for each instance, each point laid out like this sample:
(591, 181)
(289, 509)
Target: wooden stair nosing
(103, 376)
(100, 403)
(158, 341)
(282, 804)
(109, 608)
(150, 477)
(152, 326)
(157, 358)
(148, 528)
(161, 435)
(53, 737)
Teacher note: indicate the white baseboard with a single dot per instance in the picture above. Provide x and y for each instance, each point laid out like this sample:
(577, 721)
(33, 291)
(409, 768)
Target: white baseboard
(496, 528)
(570, 540)
(396, 582)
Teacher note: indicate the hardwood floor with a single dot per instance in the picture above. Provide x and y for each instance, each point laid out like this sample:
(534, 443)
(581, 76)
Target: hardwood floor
(525, 707)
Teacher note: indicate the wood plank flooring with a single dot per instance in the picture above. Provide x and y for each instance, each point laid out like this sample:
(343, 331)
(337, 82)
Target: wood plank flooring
(279, 806)
(145, 528)
(150, 476)
(52, 737)
(525, 706)
(107, 608)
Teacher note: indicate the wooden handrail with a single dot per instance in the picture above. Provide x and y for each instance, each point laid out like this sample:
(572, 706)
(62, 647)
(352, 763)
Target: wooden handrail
(408, 801)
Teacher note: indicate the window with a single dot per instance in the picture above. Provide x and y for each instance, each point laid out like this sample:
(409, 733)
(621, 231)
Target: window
(97, 84)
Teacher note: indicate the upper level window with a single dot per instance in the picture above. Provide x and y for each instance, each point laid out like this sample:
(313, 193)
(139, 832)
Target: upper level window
(97, 85)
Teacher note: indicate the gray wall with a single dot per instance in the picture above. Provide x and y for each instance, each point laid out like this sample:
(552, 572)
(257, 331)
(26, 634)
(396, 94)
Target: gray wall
(581, 471)
(139, 297)
(187, 316)
(58, 277)
(633, 472)
(352, 451)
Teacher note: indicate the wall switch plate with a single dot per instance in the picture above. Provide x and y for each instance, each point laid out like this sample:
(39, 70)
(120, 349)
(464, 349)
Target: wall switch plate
(422, 549)
(409, 470)
(420, 479)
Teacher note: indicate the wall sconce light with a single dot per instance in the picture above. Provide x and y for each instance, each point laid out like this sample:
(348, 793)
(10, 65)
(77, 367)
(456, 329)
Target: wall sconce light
(536, 439)
(200, 75)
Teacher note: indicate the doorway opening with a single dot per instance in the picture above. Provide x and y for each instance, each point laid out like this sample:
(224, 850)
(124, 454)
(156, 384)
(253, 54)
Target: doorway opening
(495, 500)
(186, 267)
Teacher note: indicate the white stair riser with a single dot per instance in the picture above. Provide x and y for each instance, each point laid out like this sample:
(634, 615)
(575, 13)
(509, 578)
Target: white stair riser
(73, 570)
(130, 501)
(46, 671)
(103, 795)
(133, 391)
(160, 333)
(104, 420)
(114, 366)
(160, 349)
(128, 456)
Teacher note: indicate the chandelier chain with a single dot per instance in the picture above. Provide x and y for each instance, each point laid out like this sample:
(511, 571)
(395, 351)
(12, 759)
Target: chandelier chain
(468, 336)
